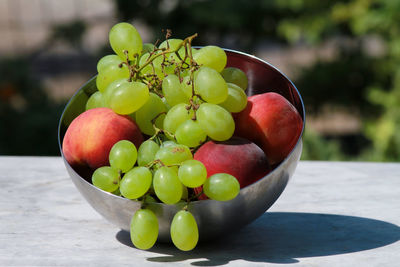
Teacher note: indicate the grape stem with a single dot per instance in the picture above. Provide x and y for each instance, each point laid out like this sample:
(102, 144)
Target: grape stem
(165, 51)
(154, 162)
(194, 107)
(154, 83)
(168, 34)
(193, 197)
(131, 68)
(143, 200)
(159, 131)
(150, 85)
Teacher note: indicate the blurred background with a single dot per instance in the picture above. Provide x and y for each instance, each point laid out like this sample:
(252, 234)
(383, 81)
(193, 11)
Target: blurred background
(343, 56)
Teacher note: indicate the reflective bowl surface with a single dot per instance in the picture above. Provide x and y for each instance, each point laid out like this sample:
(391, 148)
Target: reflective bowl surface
(214, 218)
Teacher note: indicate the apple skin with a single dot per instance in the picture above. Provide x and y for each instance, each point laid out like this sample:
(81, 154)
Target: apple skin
(237, 156)
(272, 122)
(90, 137)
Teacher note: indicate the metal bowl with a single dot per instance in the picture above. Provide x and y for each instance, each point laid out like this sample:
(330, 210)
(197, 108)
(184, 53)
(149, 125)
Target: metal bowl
(214, 218)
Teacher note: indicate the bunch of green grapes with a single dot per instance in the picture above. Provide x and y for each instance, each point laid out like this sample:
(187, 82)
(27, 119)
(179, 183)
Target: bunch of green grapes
(163, 173)
(180, 97)
(188, 92)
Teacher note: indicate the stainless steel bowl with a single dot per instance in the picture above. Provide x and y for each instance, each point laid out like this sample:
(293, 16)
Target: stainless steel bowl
(214, 218)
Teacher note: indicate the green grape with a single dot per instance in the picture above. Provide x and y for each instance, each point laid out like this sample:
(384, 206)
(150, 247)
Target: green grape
(184, 231)
(172, 90)
(149, 199)
(110, 74)
(126, 97)
(172, 57)
(124, 37)
(236, 76)
(147, 48)
(123, 155)
(107, 61)
(185, 193)
(106, 178)
(167, 106)
(146, 152)
(190, 133)
(194, 51)
(168, 143)
(136, 182)
(144, 229)
(192, 173)
(183, 73)
(144, 116)
(175, 116)
(158, 64)
(175, 169)
(148, 70)
(116, 192)
(221, 187)
(173, 45)
(215, 121)
(211, 56)
(182, 54)
(236, 100)
(173, 155)
(210, 85)
(166, 65)
(167, 186)
(96, 100)
(133, 116)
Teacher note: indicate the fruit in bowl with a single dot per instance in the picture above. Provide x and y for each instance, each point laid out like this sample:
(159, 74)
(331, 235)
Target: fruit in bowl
(236, 156)
(91, 135)
(272, 122)
(182, 99)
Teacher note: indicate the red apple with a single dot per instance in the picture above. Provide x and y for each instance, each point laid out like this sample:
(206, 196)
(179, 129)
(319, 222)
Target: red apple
(237, 156)
(91, 135)
(272, 122)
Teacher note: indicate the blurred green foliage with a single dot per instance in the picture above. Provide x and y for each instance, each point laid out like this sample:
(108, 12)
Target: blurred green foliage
(359, 20)
(315, 147)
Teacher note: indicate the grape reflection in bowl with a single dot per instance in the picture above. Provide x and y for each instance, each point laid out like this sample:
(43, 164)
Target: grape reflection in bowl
(214, 218)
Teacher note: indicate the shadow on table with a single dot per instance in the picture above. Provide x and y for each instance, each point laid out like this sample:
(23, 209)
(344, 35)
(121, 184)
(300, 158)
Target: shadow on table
(281, 237)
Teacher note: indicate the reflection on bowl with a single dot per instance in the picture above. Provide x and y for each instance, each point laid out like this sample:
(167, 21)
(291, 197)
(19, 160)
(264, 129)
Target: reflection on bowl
(214, 218)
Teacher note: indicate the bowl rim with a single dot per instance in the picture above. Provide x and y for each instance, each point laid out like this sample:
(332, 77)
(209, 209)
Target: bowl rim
(253, 57)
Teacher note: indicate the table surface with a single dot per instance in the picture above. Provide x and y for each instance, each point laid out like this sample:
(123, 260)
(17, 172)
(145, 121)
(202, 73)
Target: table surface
(330, 214)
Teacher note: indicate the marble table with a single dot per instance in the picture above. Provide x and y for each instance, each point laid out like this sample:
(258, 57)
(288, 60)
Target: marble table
(330, 214)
